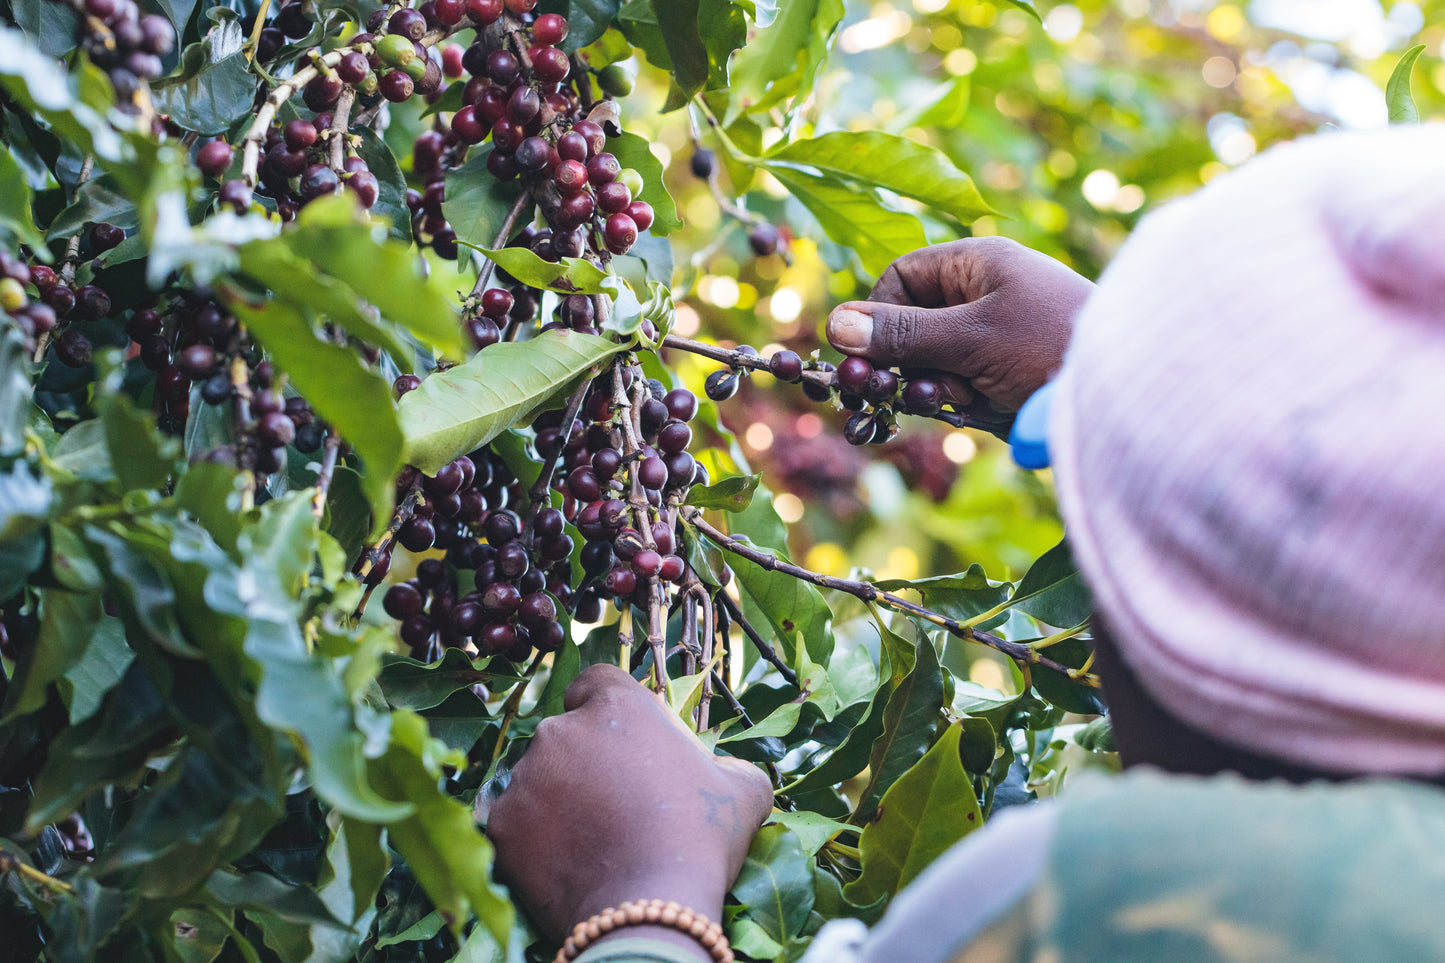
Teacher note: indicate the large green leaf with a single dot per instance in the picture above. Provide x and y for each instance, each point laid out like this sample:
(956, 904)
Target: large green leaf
(391, 183)
(1397, 89)
(909, 722)
(209, 101)
(678, 21)
(855, 218)
(783, 59)
(352, 397)
(731, 494)
(384, 272)
(776, 882)
(15, 389)
(476, 203)
(571, 274)
(930, 807)
(99, 199)
(460, 409)
(851, 756)
(42, 87)
(960, 596)
(886, 160)
(16, 214)
(68, 620)
(633, 150)
(141, 456)
(409, 684)
(1053, 591)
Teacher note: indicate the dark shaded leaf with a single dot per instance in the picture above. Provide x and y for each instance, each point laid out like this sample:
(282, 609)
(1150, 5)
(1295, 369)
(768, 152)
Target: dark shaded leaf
(909, 722)
(476, 203)
(1053, 591)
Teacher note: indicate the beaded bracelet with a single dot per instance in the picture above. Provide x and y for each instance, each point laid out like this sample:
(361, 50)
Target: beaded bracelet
(654, 912)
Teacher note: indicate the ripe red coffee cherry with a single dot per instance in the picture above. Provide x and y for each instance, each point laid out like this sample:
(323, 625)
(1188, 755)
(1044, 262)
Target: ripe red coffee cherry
(573, 146)
(602, 168)
(620, 582)
(365, 186)
(502, 166)
(275, 430)
(571, 176)
(613, 197)
(214, 158)
(484, 12)
(396, 86)
(521, 6)
(550, 65)
(483, 332)
(407, 23)
(299, 135)
(42, 276)
(496, 302)
(647, 563)
(467, 126)
(672, 569)
(641, 214)
(853, 374)
(103, 237)
(452, 60)
(577, 208)
(620, 233)
(353, 68)
(549, 28)
(507, 136)
(595, 136)
(449, 13)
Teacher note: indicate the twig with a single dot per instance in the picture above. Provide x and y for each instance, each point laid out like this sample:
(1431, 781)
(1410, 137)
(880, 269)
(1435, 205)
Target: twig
(511, 706)
(732, 700)
(340, 119)
(484, 277)
(369, 558)
(10, 863)
(72, 255)
(868, 592)
(256, 29)
(769, 654)
(323, 477)
(828, 379)
(538, 494)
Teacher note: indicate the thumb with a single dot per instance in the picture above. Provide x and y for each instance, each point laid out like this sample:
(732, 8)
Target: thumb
(904, 334)
(757, 789)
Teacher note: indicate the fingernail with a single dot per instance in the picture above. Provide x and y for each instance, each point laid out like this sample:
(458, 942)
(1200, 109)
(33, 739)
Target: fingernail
(850, 329)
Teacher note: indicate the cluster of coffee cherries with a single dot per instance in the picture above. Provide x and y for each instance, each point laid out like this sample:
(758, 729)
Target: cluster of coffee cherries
(874, 396)
(763, 238)
(294, 171)
(497, 590)
(123, 43)
(43, 304)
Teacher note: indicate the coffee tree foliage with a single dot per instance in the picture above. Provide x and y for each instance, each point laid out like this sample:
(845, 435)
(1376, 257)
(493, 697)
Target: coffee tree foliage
(299, 541)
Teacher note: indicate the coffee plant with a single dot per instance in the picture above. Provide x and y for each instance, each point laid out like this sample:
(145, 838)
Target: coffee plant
(346, 415)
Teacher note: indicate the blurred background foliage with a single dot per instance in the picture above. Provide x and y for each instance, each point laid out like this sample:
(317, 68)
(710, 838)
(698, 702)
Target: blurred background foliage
(1074, 125)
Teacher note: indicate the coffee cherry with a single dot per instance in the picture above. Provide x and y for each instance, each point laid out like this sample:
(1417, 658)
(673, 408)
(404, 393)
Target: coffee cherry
(549, 29)
(496, 302)
(595, 136)
(652, 472)
(449, 13)
(641, 214)
(292, 21)
(417, 535)
(236, 195)
(396, 86)
(647, 563)
(703, 163)
(407, 23)
(583, 485)
(550, 65)
(533, 154)
(853, 374)
(620, 233)
(786, 366)
(672, 569)
(512, 560)
(402, 601)
(501, 527)
(572, 146)
(309, 438)
(681, 467)
(923, 397)
(681, 404)
(214, 158)
(318, 180)
(501, 598)
(483, 332)
(576, 208)
(675, 436)
(721, 385)
(484, 12)
(578, 311)
(882, 385)
(859, 428)
(73, 349)
(42, 276)
(447, 481)
(613, 197)
(602, 168)
(503, 67)
(365, 186)
(615, 80)
(571, 176)
(103, 237)
(197, 362)
(322, 92)
(93, 302)
(537, 609)
(523, 105)
(763, 239)
(275, 430)
(620, 582)
(507, 137)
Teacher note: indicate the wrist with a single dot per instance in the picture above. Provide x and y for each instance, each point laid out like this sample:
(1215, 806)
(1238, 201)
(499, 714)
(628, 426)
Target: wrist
(686, 890)
(661, 934)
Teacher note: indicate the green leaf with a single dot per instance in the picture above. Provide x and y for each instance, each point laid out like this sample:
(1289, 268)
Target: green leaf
(793, 608)
(1058, 688)
(855, 218)
(1397, 89)
(262, 891)
(209, 101)
(440, 842)
(100, 669)
(568, 275)
(24, 502)
(141, 456)
(16, 214)
(67, 622)
(633, 150)
(476, 204)
(813, 831)
(99, 199)
(783, 59)
(930, 807)
(352, 397)
(731, 494)
(409, 684)
(15, 388)
(587, 20)
(50, 25)
(272, 264)
(460, 409)
(851, 756)
(328, 234)
(282, 540)
(896, 163)
(776, 883)
(678, 21)
(960, 596)
(909, 722)
(724, 28)
(1053, 592)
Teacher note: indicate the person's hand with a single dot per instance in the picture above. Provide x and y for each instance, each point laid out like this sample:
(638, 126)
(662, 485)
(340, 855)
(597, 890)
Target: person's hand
(616, 800)
(988, 310)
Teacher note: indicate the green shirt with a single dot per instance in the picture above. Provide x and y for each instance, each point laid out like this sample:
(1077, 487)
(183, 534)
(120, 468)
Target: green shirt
(1151, 867)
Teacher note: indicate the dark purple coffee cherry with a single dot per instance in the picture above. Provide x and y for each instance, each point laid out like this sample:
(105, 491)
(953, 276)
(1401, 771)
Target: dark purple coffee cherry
(407, 23)
(275, 430)
(322, 92)
(512, 560)
(763, 239)
(681, 404)
(703, 163)
(501, 598)
(596, 557)
(446, 481)
(103, 237)
(501, 527)
(620, 582)
(721, 385)
(853, 374)
(73, 349)
(859, 429)
(674, 436)
(922, 396)
(786, 366)
(652, 472)
(537, 609)
(417, 535)
(318, 180)
(396, 86)
(882, 386)
(214, 159)
(548, 523)
(402, 601)
(672, 569)
(197, 362)
(647, 563)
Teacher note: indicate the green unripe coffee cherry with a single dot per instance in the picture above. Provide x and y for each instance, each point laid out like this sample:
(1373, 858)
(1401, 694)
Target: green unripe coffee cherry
(369, 84)
(416, 70)
(631, 179)
(12, 295)
(615, 79)
(396, 50)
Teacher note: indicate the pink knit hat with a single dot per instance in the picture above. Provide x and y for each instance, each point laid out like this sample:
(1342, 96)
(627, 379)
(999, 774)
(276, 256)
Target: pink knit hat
(1249, 444)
